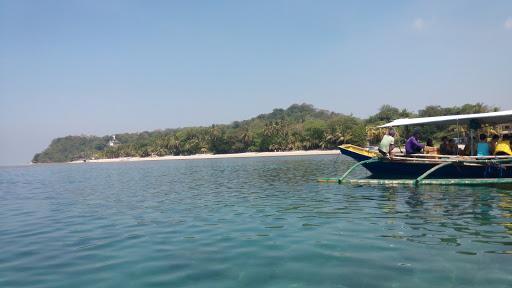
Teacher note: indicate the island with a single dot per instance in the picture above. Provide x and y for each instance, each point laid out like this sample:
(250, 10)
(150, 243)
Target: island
(301, 129)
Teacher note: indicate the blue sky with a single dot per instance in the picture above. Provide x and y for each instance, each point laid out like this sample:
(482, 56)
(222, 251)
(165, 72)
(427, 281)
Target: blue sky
(103, 67)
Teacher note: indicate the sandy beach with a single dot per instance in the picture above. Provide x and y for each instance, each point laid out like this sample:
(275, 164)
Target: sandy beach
(215, 156)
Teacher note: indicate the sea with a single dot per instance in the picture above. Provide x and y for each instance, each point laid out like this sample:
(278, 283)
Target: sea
(251, 222)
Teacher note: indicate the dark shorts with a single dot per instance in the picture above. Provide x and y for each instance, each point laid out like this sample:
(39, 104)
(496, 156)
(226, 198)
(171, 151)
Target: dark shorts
(383, 153)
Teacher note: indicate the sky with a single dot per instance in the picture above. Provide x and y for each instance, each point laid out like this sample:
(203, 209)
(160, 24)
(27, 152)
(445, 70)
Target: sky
(104, 67)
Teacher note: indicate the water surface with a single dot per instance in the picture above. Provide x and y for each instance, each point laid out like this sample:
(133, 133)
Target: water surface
(258, 222)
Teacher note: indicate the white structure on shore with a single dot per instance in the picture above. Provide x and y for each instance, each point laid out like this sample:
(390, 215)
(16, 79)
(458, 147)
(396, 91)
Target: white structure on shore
(113, 142)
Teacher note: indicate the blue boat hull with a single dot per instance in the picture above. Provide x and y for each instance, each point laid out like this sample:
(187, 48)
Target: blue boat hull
(386, 168)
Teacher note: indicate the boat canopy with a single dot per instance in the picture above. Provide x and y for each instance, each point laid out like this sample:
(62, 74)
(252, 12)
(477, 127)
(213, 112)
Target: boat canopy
(500, 117)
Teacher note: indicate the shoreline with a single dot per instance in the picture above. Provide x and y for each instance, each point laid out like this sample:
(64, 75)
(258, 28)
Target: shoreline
(213, 156)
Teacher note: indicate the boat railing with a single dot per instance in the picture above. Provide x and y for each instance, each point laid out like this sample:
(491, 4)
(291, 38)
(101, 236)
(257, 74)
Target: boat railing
(460, 157)
(462, 160)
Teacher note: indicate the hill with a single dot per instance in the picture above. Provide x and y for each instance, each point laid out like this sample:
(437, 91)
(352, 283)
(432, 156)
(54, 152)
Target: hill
(299, 127)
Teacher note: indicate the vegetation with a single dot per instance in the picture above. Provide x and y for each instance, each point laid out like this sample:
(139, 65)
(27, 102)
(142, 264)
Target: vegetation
(299, 127)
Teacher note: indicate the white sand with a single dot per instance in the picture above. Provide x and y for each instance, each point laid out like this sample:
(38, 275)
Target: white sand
(217, 156)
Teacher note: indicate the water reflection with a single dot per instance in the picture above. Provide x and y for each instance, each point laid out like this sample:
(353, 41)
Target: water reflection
(506, 206)
(452, 216)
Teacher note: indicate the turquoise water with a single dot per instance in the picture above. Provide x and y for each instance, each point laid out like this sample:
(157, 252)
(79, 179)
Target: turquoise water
(259, 222)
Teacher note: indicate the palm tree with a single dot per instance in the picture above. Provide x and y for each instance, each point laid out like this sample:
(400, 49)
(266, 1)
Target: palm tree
(374, 134)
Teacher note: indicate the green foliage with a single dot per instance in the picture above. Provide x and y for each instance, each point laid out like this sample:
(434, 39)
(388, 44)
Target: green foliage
(314, 132)
(299, 127)
(430, 111)
(70, 148)
(388, 113)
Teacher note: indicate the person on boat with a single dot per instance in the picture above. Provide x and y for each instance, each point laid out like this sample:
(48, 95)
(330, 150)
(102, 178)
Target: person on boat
(468, 150)
(483, 148)
(503, 146)
(429, 147)
(494, 141)
(387, 144)
(444, 147)
(413, 146)
(453, 148)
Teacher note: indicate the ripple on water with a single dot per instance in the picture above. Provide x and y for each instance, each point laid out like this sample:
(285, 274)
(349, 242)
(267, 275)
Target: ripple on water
(245, 223)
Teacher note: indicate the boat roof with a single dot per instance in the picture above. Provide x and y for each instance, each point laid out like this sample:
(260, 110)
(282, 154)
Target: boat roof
(489, 118)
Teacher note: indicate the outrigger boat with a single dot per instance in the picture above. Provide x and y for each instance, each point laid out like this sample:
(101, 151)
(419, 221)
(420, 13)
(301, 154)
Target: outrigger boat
(440, 169)
(409, 166)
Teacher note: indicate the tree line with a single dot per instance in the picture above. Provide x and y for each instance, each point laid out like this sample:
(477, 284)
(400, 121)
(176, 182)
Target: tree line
(299, 127)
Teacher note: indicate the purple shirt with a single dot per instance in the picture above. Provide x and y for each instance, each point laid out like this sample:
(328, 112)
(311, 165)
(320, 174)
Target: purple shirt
(412, 146)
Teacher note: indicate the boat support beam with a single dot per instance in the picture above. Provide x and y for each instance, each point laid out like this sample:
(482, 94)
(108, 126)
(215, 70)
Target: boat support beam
(421, 179)
(430, 171)
(340, 180)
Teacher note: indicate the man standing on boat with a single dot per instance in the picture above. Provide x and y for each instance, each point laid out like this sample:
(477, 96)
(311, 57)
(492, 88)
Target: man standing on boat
(387, 144)
(413, 146)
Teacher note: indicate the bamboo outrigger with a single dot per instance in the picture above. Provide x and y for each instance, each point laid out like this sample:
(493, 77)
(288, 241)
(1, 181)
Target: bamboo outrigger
(431, 169)
(422, 179)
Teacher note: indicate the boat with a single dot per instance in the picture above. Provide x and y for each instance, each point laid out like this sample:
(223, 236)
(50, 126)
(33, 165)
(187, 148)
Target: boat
(410, 167)
(420, 166)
